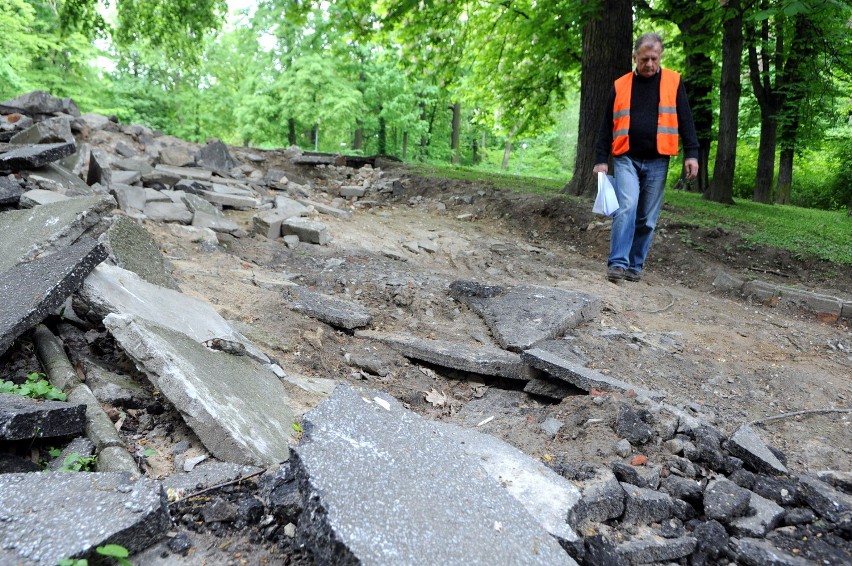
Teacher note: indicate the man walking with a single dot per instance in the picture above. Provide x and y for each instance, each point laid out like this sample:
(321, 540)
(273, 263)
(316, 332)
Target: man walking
(647, 111)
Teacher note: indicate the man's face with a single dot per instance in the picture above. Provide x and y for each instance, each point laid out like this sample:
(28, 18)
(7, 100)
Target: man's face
(647, 59)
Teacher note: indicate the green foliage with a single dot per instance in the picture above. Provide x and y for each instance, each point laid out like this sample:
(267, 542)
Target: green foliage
(35, 386)
(524, 184)
(75, 462)
(113, 551)
(820, 233)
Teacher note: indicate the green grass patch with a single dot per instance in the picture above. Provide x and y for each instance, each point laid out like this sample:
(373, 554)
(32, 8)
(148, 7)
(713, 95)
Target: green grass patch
(519, 183)
(802, 231)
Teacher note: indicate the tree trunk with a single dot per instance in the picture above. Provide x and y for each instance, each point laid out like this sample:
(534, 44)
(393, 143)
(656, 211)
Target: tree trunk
(358, 142)
(607, 48)
(721, 187)
(766, 158)
(291, 131)
(475, 151)
(785, 176)
(404, 145)
(424, 142)
(454, 141)
(507, 151)
(698, 81)
(383, 136)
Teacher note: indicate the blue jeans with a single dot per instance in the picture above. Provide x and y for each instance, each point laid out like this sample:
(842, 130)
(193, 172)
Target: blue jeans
(639, 186)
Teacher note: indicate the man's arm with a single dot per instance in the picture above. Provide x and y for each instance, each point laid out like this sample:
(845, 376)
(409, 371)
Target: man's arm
(603, 144)
(688, 135)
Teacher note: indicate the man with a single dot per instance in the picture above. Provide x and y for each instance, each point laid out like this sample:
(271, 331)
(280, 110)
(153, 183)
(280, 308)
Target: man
(646, 113)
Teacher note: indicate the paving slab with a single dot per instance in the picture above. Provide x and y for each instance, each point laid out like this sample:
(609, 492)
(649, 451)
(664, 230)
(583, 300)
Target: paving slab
(309, 231)
(746, 445)
(828, 502)
(132, 247)
(168, 212)
(30, 233)
(34, 156)
(289, 208)
(237, 407)
(32, 291)
(82, 511)
(546, 495)
(331, 310)
(111, 289)
(52, 130)
(485, 360)
(580, 376)
(216, 222)
(37, 197)
(555, 389)
(653, 548)
(524, 315)
(39, 102)
(382, 485)
(23, 418)
(55, 177)
(328, 210)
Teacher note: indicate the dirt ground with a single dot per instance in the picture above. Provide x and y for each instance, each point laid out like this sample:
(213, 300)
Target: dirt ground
(727, 358)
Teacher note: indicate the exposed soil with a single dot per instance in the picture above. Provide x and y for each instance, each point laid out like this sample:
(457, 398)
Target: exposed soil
(727, 358)
(732, 359)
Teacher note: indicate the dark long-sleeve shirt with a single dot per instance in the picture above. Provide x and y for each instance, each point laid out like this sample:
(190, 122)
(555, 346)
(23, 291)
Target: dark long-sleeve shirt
(644, 105)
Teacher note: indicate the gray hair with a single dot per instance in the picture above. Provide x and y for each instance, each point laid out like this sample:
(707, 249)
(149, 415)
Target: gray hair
(651, 37)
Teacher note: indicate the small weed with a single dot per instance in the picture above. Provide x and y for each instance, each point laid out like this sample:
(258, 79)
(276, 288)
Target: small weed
(36, 387)
(75, 462)
(114, 551)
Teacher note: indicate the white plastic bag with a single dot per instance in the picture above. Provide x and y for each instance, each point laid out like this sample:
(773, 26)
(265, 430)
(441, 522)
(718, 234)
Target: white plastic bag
(606, 202)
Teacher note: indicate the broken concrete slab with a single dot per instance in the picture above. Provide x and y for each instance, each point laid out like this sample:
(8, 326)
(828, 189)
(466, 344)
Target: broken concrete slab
(52, 130)
(422, 488)
(329, 210)
(236, 406)
(579, 375)
(111, 289)
(132, 247)
(39, 102)
(527, 314)
(551, 388)
(55, 177)
(168, 212)
(216, 157)
(99, 170)
(206, 475)
(32, 291)
(656, 549)
(756, 552)
(763, 515)
(34, 156)
(30, 233)
(289, 208)
(267, 223)
(216, 222)
(746, 445)
(546, 495)
(84, 510)
(828, 502)
(331, 310)
(602, 498)
(307, 230)
(485, 360)
(37, 197)
(23, 418)
(10, 190)
(240, 202)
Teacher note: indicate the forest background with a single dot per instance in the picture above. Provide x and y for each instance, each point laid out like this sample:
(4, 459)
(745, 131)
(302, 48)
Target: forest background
(513, 86)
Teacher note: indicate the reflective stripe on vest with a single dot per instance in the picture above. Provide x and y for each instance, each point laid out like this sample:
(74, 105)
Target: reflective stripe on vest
(667, 130)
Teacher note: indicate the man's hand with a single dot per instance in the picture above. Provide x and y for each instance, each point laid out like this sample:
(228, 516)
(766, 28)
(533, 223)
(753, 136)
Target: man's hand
(603, 167)
(691, 166)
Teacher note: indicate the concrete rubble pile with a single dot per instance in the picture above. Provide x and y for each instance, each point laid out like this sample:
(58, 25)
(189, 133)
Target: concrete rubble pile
(356, 477)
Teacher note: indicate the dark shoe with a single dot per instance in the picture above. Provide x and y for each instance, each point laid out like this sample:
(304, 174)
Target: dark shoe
(632, 275)
(615, 273)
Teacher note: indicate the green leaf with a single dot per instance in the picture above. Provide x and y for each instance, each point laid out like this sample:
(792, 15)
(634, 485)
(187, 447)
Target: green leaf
(113, 551)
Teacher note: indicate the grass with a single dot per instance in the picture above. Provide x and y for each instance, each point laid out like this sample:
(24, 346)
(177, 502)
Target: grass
(802, 231)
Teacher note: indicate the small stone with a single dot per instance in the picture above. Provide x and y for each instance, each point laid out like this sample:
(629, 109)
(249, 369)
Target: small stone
(623, 448)
(551, 426)
(639, 460)
(180, 544)
(290, 530)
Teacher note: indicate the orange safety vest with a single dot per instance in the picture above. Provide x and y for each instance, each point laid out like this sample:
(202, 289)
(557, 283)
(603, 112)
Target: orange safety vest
(666, 114)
